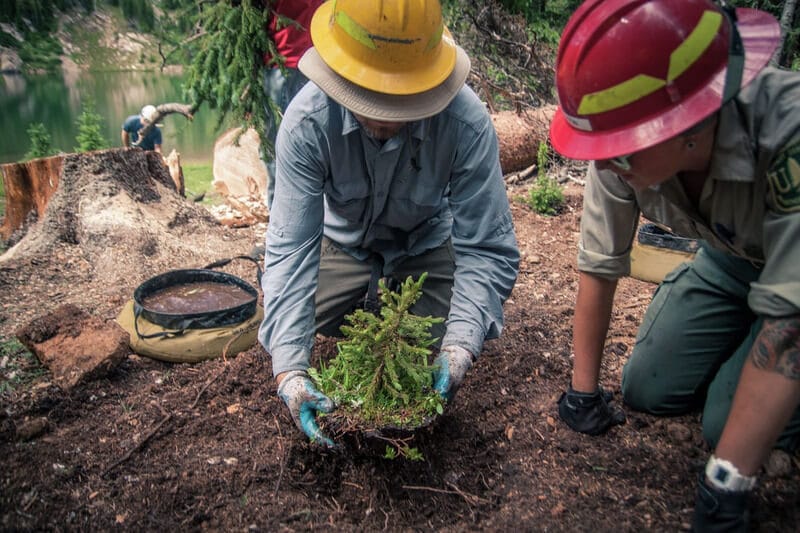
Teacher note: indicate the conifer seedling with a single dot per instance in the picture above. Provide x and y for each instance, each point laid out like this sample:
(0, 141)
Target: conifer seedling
(381, 377)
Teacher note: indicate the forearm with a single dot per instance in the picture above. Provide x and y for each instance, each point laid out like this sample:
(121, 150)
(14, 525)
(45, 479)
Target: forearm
(125, 138)
(766, 397)
(481, 285)
(590, 326)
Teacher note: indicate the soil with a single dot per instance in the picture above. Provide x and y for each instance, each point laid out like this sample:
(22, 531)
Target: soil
(210, 446)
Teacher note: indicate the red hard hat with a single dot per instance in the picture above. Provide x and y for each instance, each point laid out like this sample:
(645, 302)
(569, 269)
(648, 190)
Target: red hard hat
(633, 73)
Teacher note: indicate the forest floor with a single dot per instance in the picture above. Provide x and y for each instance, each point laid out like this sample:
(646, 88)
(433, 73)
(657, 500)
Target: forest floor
(158, 446)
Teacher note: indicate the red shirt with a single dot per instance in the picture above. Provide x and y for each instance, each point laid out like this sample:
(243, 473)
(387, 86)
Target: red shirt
(290, 40)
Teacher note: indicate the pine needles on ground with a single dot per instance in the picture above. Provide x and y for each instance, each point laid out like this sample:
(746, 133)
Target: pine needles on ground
(381, 374)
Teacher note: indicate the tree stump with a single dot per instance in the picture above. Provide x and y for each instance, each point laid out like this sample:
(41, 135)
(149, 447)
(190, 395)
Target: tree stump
(28, 187)
(113, 219)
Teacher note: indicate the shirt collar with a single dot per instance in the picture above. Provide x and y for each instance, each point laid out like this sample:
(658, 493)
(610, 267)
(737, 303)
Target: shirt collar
(418, 128)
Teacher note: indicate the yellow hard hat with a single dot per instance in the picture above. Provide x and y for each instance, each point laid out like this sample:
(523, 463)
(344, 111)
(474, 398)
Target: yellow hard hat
(388, 46)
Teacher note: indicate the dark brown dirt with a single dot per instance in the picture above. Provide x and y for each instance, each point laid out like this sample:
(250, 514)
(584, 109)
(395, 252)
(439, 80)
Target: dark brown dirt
(209, 446)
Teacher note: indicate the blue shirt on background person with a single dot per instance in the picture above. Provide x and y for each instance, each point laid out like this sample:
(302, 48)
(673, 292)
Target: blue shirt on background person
(134, 123)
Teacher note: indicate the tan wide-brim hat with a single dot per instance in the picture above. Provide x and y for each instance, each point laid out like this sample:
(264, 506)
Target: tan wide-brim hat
(380, 106)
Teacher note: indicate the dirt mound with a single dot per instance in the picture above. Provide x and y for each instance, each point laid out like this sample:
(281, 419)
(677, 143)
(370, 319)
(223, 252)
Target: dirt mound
(114, 221)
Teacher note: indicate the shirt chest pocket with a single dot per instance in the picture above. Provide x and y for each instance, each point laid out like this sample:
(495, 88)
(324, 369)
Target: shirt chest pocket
(348, 198)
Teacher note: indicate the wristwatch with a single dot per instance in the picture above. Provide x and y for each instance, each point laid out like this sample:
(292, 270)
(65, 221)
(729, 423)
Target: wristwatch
(723, 475)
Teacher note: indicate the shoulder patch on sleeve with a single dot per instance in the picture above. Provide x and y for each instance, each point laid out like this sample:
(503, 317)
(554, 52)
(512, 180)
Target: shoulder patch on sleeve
(784, 180)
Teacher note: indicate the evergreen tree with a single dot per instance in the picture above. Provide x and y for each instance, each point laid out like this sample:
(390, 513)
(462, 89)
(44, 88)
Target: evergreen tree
(41, 142)
(90, 130)
(226, 73)
(381, 370)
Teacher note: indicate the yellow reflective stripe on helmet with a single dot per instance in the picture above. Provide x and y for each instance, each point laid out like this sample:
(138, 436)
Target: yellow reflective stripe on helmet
(619, 95)
(641, 85)
(695, 44)
(354, 29)
(435, 38)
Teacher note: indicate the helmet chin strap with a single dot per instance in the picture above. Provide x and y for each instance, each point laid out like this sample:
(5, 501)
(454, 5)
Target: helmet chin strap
(735, 69)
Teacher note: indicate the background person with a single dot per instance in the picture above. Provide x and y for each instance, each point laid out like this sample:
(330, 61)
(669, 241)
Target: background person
(281, 84)
(695, 133)
(387, 164)
(134, 123)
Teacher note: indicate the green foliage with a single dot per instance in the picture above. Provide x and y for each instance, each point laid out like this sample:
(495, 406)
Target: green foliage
(403, 451)
(40, 14)
(545, 17)
(17, 365)
(139, 12)
(40, 51)
(197, 180)
(8, 40)
(381, 374)
(546, 196)
(90, 130)
(226, 73)
(41, 142)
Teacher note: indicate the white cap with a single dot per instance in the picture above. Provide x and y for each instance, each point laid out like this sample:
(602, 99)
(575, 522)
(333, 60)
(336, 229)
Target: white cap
(149, 113)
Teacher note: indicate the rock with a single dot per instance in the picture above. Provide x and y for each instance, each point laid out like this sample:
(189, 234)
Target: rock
(679, 432)
(30, 429)
(10, 62)
(74, 346)
(779, 464)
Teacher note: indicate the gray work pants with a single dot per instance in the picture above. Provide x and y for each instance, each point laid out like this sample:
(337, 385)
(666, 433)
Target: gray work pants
(693, 343)
(344, 280)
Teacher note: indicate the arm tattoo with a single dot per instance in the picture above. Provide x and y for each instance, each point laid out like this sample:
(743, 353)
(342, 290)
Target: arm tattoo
(777, 347)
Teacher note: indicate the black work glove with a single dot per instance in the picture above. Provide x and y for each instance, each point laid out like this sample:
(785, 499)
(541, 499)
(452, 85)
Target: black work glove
(589, 412)
(717, 510)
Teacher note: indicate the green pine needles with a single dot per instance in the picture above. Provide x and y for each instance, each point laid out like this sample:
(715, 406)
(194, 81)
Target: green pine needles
(226, 73)
(381, 374)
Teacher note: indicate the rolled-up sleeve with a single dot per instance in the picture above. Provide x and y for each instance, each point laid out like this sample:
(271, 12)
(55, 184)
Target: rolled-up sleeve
(486, 252)
(292, 253)
(608, 225)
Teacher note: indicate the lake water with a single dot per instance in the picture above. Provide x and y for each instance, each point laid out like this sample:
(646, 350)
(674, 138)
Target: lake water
(55, 100)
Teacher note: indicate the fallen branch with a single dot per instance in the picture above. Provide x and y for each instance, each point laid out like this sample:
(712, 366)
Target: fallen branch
(138, 446)
(469, 498)
(522, 175)
(163, 110)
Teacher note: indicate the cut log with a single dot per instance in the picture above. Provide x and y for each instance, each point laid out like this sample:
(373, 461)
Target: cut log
(173, 161)
(519, 135)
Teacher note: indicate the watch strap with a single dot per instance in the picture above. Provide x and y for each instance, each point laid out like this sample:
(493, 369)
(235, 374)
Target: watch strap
(723, 475)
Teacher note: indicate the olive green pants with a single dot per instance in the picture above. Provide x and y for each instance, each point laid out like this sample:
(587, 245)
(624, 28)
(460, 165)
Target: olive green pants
(344, 280)
(694, 341)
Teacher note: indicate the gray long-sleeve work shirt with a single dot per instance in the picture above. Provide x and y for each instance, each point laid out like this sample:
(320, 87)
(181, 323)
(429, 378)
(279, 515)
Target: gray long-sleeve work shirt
(438, 178)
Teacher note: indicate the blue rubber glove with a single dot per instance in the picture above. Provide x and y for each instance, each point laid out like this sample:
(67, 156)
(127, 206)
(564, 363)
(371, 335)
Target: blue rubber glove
(304, 401)
(453, 363)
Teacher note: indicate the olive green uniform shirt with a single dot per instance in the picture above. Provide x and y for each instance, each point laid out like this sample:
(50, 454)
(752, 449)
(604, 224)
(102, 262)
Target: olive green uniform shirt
(749, 206)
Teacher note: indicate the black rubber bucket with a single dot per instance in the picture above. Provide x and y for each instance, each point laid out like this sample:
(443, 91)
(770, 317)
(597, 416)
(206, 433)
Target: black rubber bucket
(181, 321)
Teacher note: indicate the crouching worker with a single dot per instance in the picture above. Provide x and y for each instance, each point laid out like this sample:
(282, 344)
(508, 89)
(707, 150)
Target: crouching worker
(694, 132)
(387, 164)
